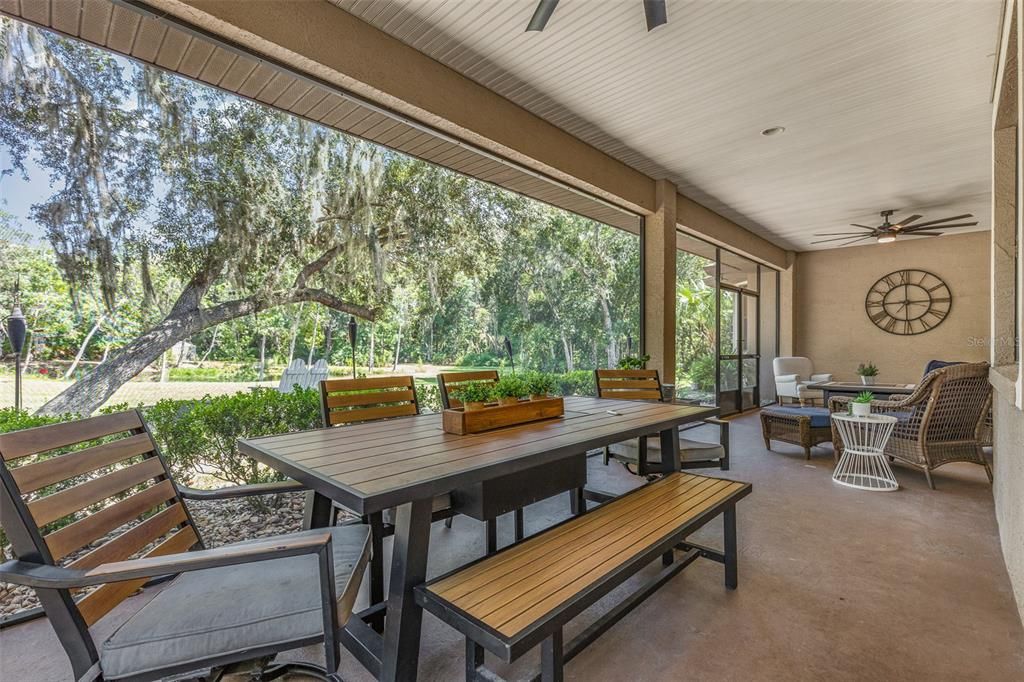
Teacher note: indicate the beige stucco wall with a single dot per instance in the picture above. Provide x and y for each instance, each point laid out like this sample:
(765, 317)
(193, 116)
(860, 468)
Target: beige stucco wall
(1008, 471)
(833, 329)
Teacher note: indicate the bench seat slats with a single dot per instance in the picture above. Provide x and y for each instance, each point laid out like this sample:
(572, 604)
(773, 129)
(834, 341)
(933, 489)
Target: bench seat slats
(519, 586)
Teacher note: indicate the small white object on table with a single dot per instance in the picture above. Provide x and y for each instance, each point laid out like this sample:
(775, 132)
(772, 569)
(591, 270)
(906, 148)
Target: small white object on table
(864, 464)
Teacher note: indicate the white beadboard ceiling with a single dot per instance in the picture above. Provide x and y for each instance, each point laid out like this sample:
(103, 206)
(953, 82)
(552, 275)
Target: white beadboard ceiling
(885, 104)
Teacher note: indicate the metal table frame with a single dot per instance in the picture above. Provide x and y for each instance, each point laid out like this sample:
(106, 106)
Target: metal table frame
(395, 655)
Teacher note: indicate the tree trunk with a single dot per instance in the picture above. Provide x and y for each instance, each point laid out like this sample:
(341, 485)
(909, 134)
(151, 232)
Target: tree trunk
(567, 349)
(609, 332)
(164, 369)
(398, 347)
(328, 340)
(312, 340)
(373, 338)
(263, 356)
(213, 342)
(295, 334)
(81, 349)
(184, 321)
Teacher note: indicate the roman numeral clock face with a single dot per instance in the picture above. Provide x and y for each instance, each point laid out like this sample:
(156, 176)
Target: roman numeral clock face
(908, 302)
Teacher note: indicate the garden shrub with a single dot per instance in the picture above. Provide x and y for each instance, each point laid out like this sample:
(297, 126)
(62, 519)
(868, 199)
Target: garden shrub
(577, 382)
(200, 436)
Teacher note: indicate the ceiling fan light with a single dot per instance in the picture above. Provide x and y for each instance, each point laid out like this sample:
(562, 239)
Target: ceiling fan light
(886, 238)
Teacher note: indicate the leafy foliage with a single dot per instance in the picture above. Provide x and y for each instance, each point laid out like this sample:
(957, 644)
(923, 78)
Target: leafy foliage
(475, 392)
(864, 397)
(634, 361)
(539, 383)
(868, 370)
(199, 437)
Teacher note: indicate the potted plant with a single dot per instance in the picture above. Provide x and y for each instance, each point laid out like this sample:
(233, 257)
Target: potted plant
(539, 385)
(508, 389)
(861, 405)
(474, 394)
(867, 373)
(633, 361)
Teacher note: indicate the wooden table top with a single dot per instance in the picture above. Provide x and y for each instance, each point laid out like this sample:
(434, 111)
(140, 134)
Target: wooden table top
(372, 466)
(837, 386)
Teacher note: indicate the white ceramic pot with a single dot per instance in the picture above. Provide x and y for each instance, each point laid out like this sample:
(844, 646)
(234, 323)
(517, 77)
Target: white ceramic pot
(861, 409)
(867, 381)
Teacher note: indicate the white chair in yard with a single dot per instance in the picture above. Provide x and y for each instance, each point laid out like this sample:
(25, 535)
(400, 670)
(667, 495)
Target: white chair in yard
(317, 372)
(793, 375)
(294, 374)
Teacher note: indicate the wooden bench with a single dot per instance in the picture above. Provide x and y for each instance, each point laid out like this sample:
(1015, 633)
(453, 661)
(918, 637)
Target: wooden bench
(522, 596)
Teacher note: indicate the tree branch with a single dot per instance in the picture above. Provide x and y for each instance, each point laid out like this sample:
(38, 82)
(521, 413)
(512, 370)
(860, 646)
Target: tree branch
(313, 267)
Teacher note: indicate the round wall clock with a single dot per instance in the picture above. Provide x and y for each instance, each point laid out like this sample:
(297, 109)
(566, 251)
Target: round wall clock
(908, 302)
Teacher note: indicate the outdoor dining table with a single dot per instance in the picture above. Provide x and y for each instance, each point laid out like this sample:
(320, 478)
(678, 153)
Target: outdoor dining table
(405, 462)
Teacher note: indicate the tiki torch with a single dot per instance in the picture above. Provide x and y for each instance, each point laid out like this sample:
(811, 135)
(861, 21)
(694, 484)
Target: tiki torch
(16, 331)
(352, 328)
(508, 351)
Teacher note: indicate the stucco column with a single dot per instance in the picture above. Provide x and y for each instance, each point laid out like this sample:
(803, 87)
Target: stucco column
(787, 307)
(660, 282)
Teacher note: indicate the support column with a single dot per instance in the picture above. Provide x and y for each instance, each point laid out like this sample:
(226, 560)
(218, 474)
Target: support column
(788, 307)
(660, 282)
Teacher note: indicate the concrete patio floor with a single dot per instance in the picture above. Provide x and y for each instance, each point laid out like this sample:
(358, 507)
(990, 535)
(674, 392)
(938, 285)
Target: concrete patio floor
(835, 584)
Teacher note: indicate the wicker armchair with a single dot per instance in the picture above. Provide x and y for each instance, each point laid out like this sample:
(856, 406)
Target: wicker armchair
(942, 421)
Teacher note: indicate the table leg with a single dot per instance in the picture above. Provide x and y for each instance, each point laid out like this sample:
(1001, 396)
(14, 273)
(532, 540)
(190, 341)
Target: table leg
(317, 513)
(670, 450)
(408, 569)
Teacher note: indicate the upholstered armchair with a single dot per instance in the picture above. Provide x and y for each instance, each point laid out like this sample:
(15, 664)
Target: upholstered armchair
(944, 420)
(793, 375)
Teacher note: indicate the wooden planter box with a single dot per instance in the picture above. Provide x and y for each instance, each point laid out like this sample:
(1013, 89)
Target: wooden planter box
(461, 422)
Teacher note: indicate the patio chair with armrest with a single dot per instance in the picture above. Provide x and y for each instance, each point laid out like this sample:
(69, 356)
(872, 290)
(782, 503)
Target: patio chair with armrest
(107, 514)
(645, 384)
(942, 421)
(792, 377)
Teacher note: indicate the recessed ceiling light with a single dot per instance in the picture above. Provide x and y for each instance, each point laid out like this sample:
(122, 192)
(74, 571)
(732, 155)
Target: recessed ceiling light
(775, 130)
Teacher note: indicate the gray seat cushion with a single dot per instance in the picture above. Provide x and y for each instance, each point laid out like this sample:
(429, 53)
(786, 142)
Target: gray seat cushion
(234, 609)
(689, 450)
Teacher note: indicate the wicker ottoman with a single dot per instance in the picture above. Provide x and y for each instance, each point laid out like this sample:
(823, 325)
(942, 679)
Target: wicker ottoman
(803, 426)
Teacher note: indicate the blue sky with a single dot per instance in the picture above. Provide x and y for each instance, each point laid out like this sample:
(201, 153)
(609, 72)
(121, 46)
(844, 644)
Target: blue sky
(17, 195)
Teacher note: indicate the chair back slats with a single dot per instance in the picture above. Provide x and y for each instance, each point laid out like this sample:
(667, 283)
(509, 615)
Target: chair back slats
(364, 399)
(85, 493)
(68, 501)
(99, 603)
(93, 527)
(32, 477)
(628, 384)
(447, 382)
(42, 439)
(960, 401)
(127, 544)
(345, 401)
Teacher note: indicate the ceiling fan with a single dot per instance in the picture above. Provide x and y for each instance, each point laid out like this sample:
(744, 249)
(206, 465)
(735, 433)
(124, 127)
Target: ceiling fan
(888, 232)
(653, 9)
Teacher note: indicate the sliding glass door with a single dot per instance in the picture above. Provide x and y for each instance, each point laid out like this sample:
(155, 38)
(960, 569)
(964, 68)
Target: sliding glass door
(726, 320)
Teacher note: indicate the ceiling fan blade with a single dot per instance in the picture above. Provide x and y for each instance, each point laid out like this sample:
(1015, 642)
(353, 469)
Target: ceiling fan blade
(656, 13)
(907, 220)
(858, 239)
(864, 226)
(839, 239)
(914, 229)
(541, 15)
(944, 220)
(836, 234)
(923, 234)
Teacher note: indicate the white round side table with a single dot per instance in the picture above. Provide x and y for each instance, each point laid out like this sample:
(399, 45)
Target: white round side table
(864, 464)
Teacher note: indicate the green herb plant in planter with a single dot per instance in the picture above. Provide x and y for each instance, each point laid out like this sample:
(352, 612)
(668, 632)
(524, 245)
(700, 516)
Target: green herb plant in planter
(539, 385)
(867, 373)
(474, 395)
(861, 405)
(633, 361)
(508, 389)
